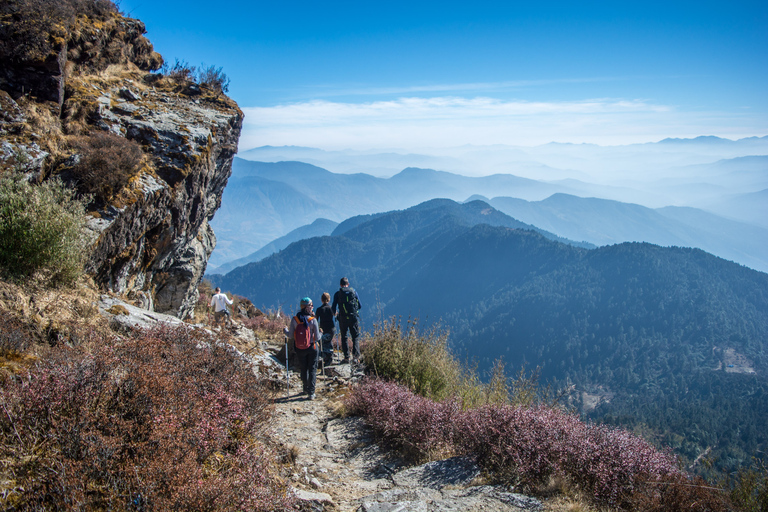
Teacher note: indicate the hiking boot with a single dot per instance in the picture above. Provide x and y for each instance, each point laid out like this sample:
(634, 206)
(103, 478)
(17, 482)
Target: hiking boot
(311, 397)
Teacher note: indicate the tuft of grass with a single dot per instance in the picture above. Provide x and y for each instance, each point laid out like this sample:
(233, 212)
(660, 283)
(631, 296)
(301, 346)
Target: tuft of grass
(106, 164)
(421, 361)
(424, 363)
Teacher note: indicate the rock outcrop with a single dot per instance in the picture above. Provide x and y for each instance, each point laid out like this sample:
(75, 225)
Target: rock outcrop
(46, 42)
(157, 240)
(153, 237)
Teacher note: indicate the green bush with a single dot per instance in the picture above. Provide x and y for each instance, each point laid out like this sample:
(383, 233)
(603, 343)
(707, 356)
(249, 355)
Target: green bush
(42, 229)
(422, 362)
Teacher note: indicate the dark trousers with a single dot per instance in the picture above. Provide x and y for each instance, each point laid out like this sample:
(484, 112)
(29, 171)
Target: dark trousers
(327, 350)
(307, 359)
(353, 327)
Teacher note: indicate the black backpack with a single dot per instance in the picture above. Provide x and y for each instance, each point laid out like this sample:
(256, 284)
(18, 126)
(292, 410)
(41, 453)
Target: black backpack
(348, 305)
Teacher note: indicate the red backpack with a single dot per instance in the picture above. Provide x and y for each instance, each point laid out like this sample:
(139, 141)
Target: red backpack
(302, 334)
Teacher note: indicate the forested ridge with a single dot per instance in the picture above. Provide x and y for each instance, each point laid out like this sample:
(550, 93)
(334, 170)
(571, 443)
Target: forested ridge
(671, 340)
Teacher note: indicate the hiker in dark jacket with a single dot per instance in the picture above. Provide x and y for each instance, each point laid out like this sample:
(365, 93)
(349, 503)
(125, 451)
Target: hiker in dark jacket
(305, 324)
(324, 316)
(348, 304)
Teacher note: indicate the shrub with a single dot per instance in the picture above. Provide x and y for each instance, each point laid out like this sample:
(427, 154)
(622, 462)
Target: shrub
(42, 228)
(749, 487)
(180, 72)
(422, 362)
(528, 445)
(415, 425)
(183, 73)
(272, 323)
(166, 420)
(106, 164)
(214, 78)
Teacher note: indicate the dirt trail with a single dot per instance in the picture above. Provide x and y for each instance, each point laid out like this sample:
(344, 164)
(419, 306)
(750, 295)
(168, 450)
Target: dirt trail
(338, 466)
(337, 461)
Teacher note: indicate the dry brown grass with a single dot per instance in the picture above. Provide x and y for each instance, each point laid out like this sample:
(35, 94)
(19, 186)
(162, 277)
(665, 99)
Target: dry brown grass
(49, 314)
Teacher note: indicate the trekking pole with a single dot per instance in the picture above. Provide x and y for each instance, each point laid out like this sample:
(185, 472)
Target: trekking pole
(322, 357)
(287, 372)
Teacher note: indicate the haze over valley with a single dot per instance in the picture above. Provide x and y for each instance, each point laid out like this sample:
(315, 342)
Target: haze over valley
(709, 193)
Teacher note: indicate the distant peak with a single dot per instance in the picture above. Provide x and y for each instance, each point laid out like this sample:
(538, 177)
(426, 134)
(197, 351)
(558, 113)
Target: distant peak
(711, 139)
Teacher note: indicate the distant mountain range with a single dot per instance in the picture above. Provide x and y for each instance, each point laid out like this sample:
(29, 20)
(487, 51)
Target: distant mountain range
(265, 201)
(605, 222)
(654, 329)
(320, 227)
(552, 161)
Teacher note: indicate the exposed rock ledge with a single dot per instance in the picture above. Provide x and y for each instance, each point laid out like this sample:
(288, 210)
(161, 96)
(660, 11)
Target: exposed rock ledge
(158, 242)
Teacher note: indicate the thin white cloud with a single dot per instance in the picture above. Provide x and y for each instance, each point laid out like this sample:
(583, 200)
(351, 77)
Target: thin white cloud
(445, 121)
(335, 90)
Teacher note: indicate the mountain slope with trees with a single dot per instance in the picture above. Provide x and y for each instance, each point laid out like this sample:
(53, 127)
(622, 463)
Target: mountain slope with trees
(650, 331)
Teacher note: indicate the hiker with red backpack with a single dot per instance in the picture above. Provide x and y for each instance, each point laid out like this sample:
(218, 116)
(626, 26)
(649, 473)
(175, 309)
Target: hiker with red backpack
(348, 304)
(305, 332)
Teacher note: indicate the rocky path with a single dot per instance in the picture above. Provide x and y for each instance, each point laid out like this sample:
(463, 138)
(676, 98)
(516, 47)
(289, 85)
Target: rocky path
(339, 467)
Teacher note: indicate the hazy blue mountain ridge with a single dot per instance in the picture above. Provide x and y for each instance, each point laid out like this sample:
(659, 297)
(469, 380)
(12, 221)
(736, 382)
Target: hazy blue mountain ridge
(603, 222)
(320, 227)
(264, 201)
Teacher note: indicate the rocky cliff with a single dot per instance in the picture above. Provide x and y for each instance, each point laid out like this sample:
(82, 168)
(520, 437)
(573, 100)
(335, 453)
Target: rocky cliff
(94, 76)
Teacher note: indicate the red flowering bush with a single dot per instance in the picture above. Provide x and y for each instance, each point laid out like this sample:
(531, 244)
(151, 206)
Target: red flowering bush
(168, 419)
(525, 446)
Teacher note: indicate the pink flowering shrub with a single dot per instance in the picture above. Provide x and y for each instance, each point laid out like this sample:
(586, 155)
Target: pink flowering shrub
(525, 446)
(412, 423)
(270, 323)
(168, 419)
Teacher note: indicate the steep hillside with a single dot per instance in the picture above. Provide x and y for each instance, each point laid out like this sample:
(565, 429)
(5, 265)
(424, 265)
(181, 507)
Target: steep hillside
(383, 247)
(628, 324)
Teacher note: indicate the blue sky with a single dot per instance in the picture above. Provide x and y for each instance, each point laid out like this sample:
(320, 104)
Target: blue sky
(412, 75)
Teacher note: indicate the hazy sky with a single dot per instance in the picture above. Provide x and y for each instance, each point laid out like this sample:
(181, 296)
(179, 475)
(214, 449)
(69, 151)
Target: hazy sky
(416, 74)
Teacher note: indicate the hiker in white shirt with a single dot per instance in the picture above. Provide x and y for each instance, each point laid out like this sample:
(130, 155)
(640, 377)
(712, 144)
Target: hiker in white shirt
(219, 304)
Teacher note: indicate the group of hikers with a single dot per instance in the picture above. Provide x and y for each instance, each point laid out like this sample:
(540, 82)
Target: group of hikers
(312, 332)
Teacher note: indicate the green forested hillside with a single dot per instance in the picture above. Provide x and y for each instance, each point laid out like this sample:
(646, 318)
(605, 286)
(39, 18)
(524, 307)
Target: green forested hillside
(668, 340)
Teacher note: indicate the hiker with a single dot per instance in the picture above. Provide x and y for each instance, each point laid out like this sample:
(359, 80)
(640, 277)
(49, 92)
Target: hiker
(348, 304)
(305, 332)
(219, 304)
(324, 316)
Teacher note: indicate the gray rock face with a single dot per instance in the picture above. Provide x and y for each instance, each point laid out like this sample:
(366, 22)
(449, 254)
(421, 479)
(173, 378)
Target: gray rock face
(18, 150)
(125, 317)
(438, 474)
(160, 242)
(154, 237)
